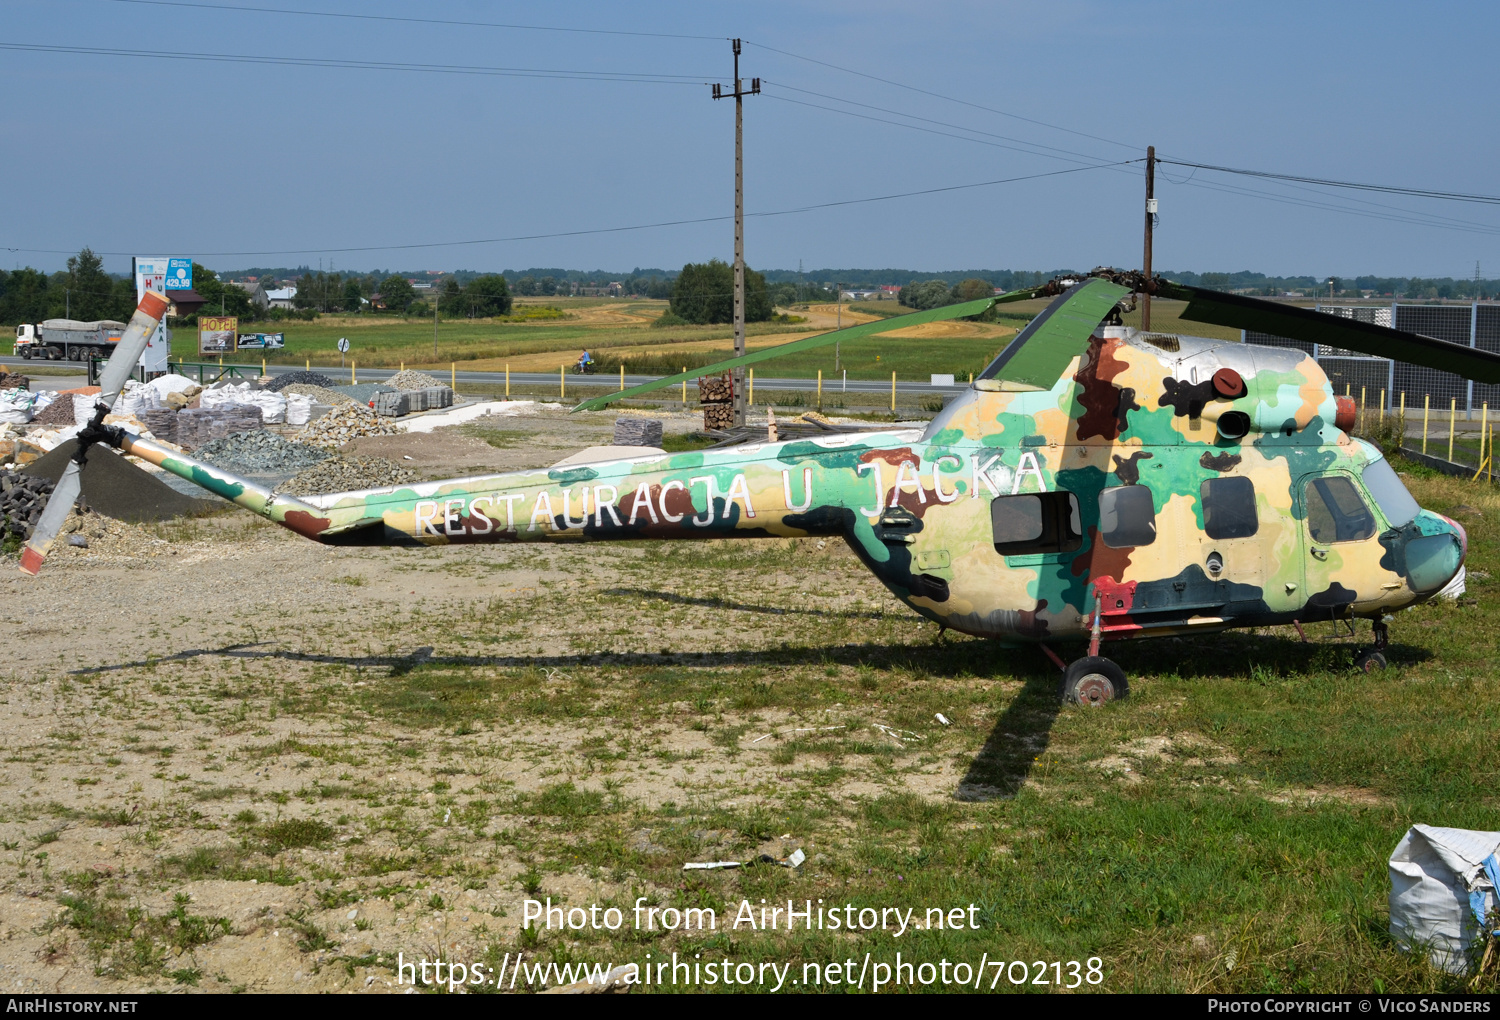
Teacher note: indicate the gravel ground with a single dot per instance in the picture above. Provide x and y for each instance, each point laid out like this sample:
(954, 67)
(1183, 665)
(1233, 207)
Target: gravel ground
(281, 382)
(347, 474)
(260, 452)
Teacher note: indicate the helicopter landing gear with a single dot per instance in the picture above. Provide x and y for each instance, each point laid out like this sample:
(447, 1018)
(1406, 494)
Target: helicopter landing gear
(1372, 659)
(1093, 680)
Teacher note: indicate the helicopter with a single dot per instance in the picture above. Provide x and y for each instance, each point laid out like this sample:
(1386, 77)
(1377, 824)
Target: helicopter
(1094, 482)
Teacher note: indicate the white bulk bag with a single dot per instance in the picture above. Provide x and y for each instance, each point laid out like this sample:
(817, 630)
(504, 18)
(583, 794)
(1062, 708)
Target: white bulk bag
(1442, 882)
(15, 406)
(298, 409)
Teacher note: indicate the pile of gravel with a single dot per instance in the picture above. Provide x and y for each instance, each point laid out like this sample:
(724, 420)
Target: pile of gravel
(260, 453)
(347, 474)
(346, 422)
(320, 394)
(286, 379)
(409, 380)
(56, 415)
(22, 498)
(363, 393)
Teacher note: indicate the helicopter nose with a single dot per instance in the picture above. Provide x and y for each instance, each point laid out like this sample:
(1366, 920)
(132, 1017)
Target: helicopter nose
(1434, 560)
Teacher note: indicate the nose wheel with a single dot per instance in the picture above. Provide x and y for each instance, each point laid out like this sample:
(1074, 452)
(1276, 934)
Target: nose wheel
(1372, 659)
(1093, 681)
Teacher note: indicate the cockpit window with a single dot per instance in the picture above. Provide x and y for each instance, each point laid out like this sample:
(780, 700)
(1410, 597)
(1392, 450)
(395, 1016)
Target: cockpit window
(1390, 495)
(1335, 513)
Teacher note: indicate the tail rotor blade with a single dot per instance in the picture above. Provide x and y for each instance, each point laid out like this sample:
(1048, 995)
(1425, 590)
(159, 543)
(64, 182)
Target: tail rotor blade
(64, 495)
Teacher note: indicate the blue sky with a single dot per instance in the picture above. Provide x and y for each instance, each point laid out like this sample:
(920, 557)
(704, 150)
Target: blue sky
(187, 157)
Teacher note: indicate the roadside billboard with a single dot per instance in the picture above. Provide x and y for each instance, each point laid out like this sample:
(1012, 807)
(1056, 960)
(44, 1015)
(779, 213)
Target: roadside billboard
(216, 334)
(179, 274)
(261, 341)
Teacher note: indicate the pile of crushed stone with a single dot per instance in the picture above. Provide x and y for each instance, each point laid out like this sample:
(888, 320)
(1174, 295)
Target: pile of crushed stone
(347, 474)
(409, 380)
(320, 394)
(260, 452)
(286, 379)
(346, 422)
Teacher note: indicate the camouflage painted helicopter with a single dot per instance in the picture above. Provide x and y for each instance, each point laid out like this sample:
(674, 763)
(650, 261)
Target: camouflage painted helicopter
(1094, 482)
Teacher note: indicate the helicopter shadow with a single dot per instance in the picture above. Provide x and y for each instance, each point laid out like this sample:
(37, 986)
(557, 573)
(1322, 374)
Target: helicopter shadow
(714, 602)
(1017, 740)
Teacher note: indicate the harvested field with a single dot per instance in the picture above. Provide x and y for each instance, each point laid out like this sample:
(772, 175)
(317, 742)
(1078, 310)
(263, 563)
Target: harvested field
(254, 763)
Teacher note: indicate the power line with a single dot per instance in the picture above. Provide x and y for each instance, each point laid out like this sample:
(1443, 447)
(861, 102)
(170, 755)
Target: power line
(612, 230)
(929, 120)
(939, 95)
(1451, 196)
(368, 65)
(415, 21)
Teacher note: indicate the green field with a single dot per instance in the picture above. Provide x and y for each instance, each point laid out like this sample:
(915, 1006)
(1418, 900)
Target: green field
(381, 342)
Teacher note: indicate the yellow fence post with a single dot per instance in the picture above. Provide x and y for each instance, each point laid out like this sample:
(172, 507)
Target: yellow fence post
(750, 392)
(352, 379)
(562, 382)
(622, 377)
(403, 366)
(1382, 407)
(684, 389)
(1452, 420)
(1426, 410)
(262, 367)
(971, 378)
(1403, 416)
(507, 380)
(820, 387)
(307, 364)
(453, 376)
(1484, 434)
(893, 392)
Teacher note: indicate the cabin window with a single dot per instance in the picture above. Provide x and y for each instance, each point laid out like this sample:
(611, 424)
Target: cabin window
(1229, 507)
(1335, 513)
(1042, 522)
(1127, 516)
(1390, 495)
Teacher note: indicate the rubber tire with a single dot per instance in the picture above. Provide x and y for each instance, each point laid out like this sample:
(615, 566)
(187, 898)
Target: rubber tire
(1370, 661)
(25, 353)
(1093, 681)
(75, 354)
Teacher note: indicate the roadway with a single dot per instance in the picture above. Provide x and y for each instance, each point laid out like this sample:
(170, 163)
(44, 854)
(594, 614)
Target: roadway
(545, 379)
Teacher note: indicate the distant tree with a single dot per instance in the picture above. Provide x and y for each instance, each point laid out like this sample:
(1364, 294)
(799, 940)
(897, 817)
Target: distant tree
(526, 286)
(353, 297)
(925, 295)
(487, 295)
(704, 293)
(397, 293)
(220, 298)
(971, 289)
(23, 296)
(89, 289)
(451, 298)
(547, 286)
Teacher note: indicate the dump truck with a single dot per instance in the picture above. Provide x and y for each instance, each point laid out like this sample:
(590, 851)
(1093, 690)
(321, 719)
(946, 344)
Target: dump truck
(72, 340)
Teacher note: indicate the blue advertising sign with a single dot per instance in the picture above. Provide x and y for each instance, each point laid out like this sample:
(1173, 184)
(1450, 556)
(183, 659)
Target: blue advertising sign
(179, 274)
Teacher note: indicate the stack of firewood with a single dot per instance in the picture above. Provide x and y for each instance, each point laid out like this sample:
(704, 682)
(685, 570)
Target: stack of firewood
(716, 394)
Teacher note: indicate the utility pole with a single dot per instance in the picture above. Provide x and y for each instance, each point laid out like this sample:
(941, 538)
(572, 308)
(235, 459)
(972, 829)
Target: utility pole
(739, 94)
(434, 324)
(1150, 222)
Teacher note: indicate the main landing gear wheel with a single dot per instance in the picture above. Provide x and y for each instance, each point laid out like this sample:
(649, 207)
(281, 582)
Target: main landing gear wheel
(1093, 681)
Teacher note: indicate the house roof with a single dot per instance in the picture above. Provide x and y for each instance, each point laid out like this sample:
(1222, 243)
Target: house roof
(282, 294)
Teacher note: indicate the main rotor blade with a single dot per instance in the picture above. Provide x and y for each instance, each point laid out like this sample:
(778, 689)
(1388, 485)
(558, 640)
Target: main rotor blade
(64, 495)
(865, 329)
(127, 352)
(1041, 352)
(1276, 319)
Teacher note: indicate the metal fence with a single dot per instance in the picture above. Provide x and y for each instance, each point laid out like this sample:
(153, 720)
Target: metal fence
(1474, 325)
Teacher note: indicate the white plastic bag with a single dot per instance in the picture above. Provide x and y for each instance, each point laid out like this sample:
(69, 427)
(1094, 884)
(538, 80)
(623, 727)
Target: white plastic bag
(173, 383)
(1442, 882)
